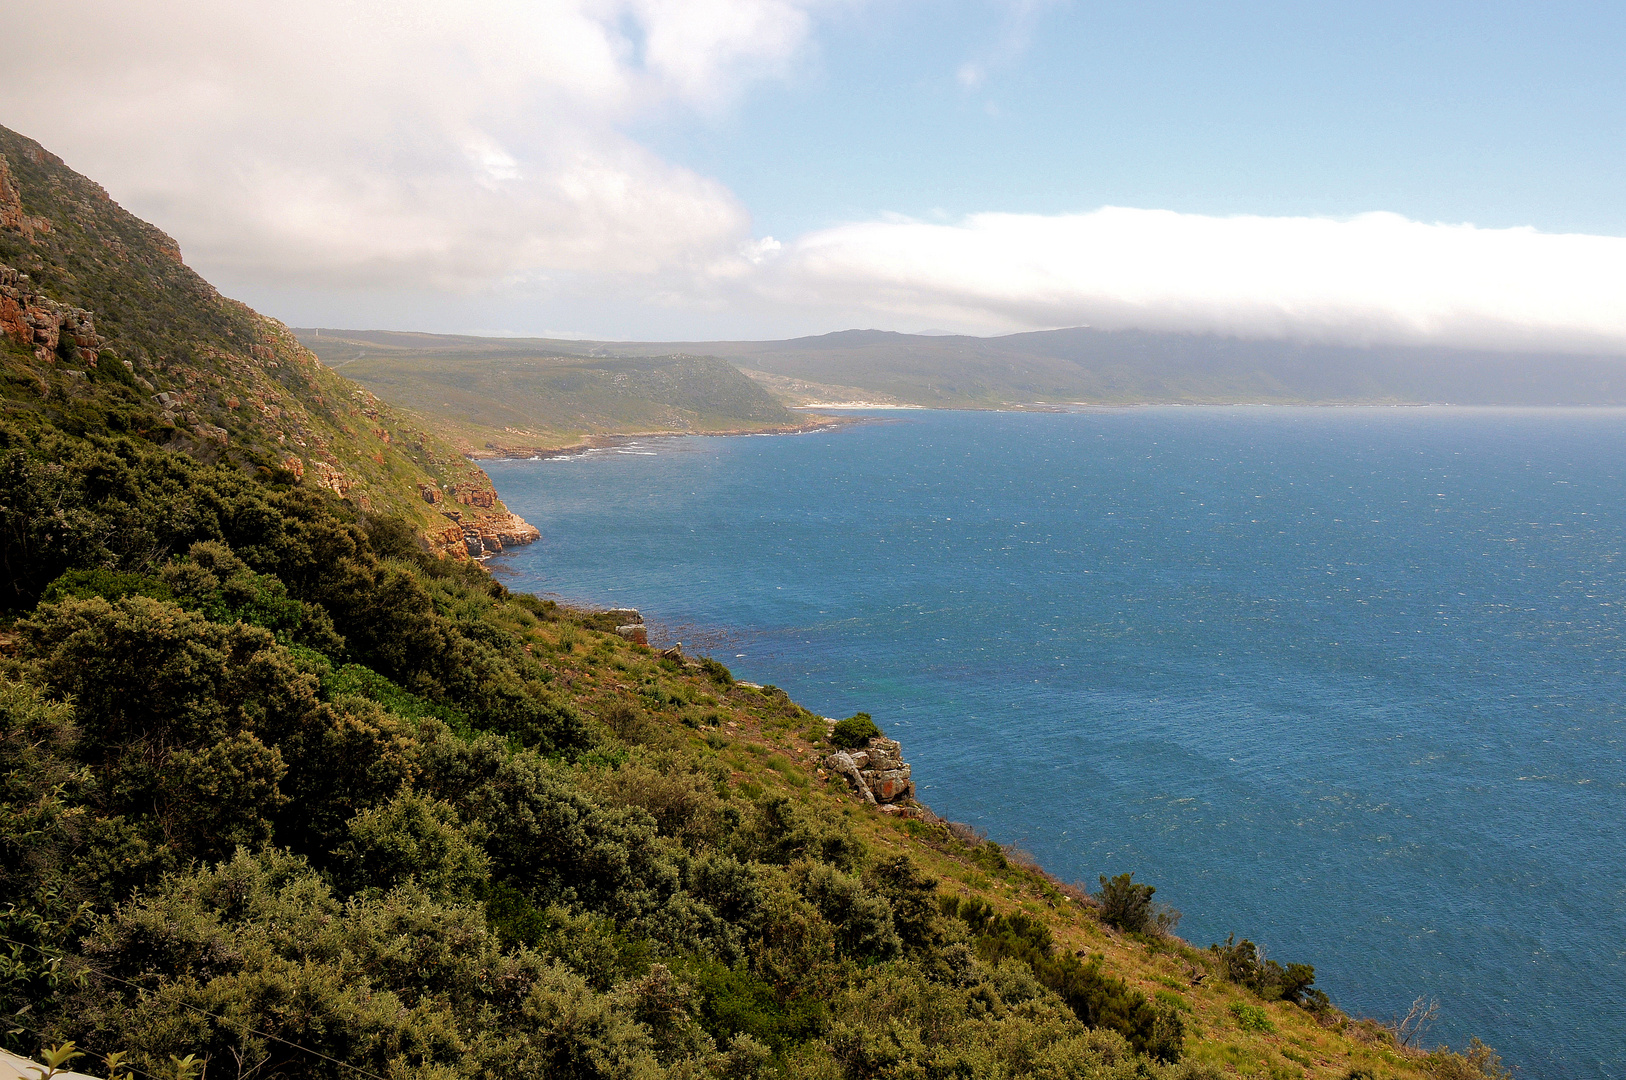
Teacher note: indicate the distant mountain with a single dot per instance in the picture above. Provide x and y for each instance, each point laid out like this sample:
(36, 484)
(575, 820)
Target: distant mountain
(514, 395)
(105, 331)
(1131, 366)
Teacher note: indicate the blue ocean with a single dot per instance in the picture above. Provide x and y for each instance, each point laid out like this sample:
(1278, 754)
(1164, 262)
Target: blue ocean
(1348, 682)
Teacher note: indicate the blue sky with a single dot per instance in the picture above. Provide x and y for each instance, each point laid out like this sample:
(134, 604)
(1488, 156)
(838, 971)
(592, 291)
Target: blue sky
(1499, 114)
(745, 168)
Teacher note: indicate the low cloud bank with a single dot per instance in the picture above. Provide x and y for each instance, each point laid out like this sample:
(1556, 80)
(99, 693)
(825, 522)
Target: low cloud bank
(451, 166)
(1373, 279)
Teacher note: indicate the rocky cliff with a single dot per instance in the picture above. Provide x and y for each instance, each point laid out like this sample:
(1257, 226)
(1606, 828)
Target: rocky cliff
(104, 327)
(35, 321)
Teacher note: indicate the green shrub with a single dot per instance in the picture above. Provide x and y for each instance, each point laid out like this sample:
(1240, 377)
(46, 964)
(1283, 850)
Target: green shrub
(109, 584)
(862, 921)
(734, 1002)
(912, 894)
(1125, 904)
(716, 670)
(1095, 997)
(625, 720)
(411, 839)
(1168, 1041)
(1242, 963)
(990, 856)
(1172, 1000)
(1251, 1017)
(1477, 1062)
(855, 731)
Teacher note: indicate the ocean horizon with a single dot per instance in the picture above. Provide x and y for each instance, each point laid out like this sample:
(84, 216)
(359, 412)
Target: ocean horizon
(1345, 681)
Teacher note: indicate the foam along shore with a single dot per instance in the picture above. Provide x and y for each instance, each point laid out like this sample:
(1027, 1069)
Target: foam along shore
(593, 443)
(857, 405)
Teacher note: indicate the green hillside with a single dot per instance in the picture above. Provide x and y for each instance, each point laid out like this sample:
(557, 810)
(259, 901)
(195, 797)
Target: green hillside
(105, 331)
(509, 396)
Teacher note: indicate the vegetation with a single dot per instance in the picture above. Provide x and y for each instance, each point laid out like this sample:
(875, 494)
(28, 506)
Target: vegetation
(1108, 367)
(515, 395)
(1243, 963)
(278, 791)
(853, 732)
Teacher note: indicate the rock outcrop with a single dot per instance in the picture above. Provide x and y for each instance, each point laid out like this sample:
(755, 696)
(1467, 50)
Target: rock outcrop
(487, 534)
(54, 331)
(877, 773)
(630, 625)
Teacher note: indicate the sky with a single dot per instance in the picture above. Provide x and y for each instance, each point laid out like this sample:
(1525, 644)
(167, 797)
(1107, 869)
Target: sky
(1372, 173)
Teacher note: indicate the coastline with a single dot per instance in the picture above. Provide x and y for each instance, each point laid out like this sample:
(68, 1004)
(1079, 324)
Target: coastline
(610, 440)
(642, 545)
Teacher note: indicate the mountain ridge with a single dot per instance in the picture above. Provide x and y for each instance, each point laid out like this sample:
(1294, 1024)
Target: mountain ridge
(505, 397)
(1126, 367)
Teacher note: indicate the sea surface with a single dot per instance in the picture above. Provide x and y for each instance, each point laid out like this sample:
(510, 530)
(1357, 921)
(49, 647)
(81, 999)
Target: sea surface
(1348, 682)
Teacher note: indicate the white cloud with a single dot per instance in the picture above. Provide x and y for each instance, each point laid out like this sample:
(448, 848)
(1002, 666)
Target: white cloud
(1372, 278)
(322, 143)
(448, 165)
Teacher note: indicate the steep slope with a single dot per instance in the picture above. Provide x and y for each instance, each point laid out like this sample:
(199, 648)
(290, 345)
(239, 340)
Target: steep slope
(106, 329)
(515, 395)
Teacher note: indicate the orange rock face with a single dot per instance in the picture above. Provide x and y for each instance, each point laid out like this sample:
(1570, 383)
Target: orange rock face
(50, 328)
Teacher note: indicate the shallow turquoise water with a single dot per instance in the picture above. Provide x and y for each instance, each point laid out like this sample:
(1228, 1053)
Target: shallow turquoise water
(1349, 682)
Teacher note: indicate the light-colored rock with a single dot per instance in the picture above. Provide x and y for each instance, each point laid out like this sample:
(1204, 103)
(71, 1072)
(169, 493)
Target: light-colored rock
(13, 1067)
(878, 772)
(212, 433)
(842, 764)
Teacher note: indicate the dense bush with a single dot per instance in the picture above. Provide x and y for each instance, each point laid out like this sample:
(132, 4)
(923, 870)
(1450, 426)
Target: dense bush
(1251, 1017)
(1242, 963)
(1096, 998)
(855, 731)
(1128, 905)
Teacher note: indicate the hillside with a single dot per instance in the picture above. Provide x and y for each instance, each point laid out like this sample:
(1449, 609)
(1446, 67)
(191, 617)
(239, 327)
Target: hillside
(497, 396)
(285, 795)
(104, 329)
(1134, 367)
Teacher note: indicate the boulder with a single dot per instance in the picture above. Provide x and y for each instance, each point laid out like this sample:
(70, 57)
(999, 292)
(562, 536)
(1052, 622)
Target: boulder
(841, 763)
(877, 773)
